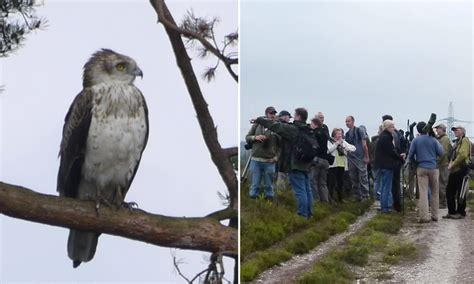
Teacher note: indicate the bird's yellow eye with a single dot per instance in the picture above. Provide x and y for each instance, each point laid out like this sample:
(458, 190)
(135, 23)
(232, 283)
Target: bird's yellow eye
(120, 67)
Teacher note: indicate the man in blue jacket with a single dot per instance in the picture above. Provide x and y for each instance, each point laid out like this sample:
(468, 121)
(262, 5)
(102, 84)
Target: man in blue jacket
(424, 151)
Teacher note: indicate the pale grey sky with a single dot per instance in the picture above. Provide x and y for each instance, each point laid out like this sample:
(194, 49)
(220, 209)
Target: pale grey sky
(365, 58)
(176, 176)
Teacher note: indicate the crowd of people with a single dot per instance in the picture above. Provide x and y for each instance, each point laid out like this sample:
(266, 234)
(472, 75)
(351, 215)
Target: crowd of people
(333, 166)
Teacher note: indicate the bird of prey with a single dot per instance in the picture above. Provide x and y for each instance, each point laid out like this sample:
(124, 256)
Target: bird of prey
(104, 135)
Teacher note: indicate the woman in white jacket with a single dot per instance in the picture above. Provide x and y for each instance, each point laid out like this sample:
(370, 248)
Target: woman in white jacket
(338, 148)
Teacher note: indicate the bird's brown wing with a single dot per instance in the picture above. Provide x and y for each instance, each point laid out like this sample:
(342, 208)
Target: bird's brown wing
(73, 143)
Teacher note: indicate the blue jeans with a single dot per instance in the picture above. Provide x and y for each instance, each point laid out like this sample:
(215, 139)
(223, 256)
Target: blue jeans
(304, 196)
(385, 179)
(261, 170)
(375, 173)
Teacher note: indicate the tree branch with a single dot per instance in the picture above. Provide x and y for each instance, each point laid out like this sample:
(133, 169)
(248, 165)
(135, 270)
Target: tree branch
(231, 152)
(204, 234)
(223, 214)
(205, 120)
(167, 20)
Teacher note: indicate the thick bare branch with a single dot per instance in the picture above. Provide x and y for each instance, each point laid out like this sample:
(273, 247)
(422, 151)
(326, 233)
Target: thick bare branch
(208, 129)
(204, 234)
(224, 214)
(166, 19)
(231, 152)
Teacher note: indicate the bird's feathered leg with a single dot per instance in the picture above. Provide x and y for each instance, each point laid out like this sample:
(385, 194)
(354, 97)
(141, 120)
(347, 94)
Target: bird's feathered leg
(99, 199)
(119, 198)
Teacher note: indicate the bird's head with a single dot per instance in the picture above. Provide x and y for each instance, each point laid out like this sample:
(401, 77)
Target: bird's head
(109, 66)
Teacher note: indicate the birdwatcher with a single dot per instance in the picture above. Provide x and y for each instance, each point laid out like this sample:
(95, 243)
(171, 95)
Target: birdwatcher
(387, 160)
(320, 165)
(265, 151)
(424, 151)
(282, 165)
(299, 162)
(457, 171)
(443, 162)
(358, 160)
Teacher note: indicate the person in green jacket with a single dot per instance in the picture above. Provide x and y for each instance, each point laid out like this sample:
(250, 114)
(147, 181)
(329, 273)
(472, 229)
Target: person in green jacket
(265, 151)
(443, 162)
(299, 171)
(457, 171)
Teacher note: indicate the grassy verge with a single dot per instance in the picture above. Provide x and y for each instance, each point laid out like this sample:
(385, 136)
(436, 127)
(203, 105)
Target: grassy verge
(376, 240)
(272, 232)
(264, 223)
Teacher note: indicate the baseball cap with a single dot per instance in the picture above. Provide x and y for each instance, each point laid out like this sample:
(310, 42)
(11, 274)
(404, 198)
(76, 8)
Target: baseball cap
(284, 112)
(441, 125)
(459, 127)
(270, 109)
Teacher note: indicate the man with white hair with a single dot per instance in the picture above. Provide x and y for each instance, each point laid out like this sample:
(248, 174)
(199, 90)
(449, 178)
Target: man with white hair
(457, 171)
(387, 160)
(400, 147)
(320, 116)
(423, 151)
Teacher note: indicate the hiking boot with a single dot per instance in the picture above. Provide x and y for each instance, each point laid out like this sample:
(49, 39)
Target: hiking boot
(456, 216)
(448, 216)
(421, 221)
(434, 219)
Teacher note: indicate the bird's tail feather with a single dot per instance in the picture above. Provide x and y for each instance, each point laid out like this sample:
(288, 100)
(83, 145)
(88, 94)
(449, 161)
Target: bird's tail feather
(81, 246)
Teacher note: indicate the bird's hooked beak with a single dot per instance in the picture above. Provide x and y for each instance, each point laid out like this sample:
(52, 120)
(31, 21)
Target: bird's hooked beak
(138, 72)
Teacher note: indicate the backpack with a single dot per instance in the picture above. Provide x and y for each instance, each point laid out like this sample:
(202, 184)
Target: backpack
(355, 137)
(470, 162)
(306, 146)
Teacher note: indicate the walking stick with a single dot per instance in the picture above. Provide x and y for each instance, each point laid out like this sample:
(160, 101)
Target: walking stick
(403, 187)
(464, 189)
(245, 172)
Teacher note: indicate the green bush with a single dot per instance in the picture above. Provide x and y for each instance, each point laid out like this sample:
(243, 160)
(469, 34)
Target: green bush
(251, 269)
(398, 251)
(328, 270)
(265, 224)
(356, 255)
(386, 223)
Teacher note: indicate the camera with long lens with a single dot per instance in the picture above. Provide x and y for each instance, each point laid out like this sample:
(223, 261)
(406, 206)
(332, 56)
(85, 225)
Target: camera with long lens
(340, 150)
(339, 147)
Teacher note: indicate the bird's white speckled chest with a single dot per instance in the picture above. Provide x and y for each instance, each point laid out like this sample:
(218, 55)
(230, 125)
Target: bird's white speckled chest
(116, 136)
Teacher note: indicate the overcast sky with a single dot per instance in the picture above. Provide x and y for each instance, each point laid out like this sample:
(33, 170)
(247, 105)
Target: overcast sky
(176, 175)
(365, 58)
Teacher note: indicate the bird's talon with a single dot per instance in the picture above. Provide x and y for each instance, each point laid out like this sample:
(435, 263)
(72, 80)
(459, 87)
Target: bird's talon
(129, 205)
(100, 201)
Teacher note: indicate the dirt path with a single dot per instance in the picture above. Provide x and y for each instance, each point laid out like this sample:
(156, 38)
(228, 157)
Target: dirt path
(290, 270)
(447, 252)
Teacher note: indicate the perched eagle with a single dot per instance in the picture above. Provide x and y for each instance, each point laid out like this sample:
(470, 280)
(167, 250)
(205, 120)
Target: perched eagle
(104, 135)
